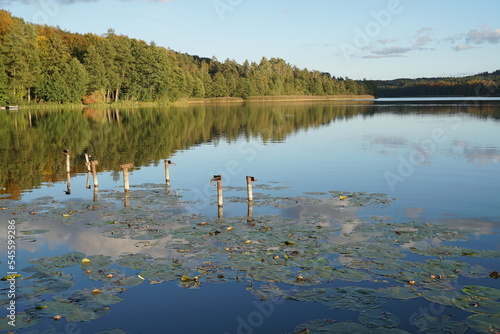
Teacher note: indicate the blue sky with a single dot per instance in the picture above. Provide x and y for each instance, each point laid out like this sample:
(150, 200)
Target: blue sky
(373, 39)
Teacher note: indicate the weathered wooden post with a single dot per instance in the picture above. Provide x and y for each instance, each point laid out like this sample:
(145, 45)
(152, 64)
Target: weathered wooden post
(94, 172)
(167, 171)
(125, 167)
(68, 170)
(218, 178)
(250, 179)
(220, 212)
(96, 192)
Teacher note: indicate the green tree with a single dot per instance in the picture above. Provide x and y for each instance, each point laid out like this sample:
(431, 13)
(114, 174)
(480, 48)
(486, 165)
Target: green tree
(76, 79)
(120, 62)
(51, 84)
(219, 85)
(4, 84)
(21, 58)
(96, 69)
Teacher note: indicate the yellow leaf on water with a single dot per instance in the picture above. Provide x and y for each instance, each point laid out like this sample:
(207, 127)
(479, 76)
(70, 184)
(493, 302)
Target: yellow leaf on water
(96, 291)
(85, 260)
(65, 215)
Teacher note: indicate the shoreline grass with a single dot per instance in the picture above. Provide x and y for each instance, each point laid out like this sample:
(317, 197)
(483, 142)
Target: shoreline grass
(191, 101)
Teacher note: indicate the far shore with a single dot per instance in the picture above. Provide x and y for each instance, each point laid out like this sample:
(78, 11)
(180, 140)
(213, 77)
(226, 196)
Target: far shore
(194, 101)
(279, 98)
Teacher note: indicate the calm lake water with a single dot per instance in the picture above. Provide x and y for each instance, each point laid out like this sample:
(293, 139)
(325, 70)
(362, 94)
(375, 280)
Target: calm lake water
(368, 215)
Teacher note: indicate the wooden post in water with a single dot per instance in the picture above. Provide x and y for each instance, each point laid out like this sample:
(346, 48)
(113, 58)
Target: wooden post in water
(96, 192)
(250, 179)
(218, 178)
(68, 170)
(125, 167)
(94, 173)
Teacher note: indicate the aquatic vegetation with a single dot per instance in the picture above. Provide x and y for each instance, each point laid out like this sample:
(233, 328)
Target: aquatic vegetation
(342, 263)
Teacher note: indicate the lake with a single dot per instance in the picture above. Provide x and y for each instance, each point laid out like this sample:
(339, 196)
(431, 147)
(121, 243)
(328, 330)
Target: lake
(369, 216)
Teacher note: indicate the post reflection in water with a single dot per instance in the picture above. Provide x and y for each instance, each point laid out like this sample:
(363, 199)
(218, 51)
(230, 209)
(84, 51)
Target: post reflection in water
(126, 199)
(250, 209)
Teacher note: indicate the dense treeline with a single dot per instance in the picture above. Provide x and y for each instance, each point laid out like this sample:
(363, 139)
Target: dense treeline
(42, 63)
(480, 85)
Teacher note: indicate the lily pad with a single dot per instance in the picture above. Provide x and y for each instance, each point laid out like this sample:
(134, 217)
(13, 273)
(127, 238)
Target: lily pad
(10, 277)
(484, 323)
(443, 297)
(378, 318)
(23, 320)
(477, 304)
(29, 232)
(348, 327)
(113, 331)
(53, 308)
(436, 325)
(399, 292)
(93, 300)
(81, 314)
(482, 291)
(346, 298)
(315, 326)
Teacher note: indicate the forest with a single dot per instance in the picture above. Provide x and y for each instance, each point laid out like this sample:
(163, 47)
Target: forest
(479, 85)
(40, 63)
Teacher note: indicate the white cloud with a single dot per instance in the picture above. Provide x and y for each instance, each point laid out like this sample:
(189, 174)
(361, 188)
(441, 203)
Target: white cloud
(486, 34)
(391, 50)
(422, 41)
(462, 47)
(386, 41)
(383, 56)
(423, 30)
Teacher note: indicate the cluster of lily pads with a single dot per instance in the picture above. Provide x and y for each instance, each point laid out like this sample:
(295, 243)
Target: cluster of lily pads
(312, 259)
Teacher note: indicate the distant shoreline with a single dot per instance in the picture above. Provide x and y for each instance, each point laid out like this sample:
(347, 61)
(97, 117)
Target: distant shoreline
(200, 101)
(278, 98)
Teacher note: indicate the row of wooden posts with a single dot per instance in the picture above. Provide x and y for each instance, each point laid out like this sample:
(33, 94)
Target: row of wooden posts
(91, 169)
